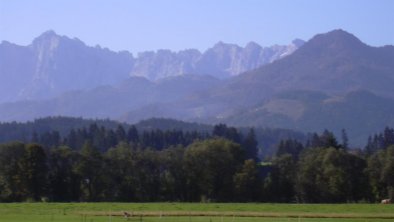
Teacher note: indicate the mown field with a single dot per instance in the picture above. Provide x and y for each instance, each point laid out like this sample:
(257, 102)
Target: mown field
(193, 212)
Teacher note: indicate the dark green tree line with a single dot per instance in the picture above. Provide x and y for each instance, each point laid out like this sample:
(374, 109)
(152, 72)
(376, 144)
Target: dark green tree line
(216, 168)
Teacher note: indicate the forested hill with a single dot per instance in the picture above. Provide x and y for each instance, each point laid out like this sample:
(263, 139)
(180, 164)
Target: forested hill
(171, 124)
(54, 131)
(24, 131)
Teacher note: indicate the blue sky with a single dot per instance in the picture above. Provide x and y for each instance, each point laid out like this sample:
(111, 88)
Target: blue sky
(138, 25)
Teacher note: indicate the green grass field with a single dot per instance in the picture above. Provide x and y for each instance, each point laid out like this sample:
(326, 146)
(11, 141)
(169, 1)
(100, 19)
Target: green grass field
(194, 212)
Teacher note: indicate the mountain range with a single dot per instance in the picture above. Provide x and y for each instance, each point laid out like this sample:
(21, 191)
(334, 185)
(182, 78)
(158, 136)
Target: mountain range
(333, 81)
(54, 64)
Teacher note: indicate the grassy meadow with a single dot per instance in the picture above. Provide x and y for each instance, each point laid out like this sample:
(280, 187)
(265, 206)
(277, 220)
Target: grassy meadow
(193, 212)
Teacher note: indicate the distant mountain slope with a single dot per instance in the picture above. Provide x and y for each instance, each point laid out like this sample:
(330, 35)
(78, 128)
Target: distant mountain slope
(110, 101)
(54, 64)
(332, 62)
(16, 66)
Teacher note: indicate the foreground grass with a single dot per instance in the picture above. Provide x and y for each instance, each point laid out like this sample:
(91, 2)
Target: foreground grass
(194, 212)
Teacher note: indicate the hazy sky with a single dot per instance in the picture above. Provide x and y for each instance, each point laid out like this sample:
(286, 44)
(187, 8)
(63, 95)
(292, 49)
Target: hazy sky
(138, 25)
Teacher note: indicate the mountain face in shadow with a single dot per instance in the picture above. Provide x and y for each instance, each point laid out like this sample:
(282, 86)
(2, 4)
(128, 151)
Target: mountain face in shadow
(16, 65)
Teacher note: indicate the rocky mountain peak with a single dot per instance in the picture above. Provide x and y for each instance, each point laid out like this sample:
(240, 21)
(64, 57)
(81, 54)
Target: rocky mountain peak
(336, 40)
(47, 36)
(340, 35)
(48, 33)
(46, 43)
(298, 42)
(252, 46)
(224, 46)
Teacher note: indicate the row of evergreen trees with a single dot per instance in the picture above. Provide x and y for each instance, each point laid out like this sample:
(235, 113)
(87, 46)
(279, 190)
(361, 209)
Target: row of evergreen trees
(104, 138)
(380, 141)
